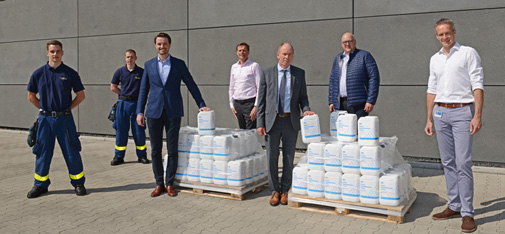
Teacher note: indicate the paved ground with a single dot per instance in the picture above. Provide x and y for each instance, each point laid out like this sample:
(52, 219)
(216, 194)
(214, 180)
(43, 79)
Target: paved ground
(119, 201)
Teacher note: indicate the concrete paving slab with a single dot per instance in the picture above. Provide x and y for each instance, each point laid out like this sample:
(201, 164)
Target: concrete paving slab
(119, 201)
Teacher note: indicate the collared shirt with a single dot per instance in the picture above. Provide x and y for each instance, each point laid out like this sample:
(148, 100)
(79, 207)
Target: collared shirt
(343, 75)
(244, 81)
(129, 80)
(287, 94)
(454, 77)
(55, 86)
(164, 69)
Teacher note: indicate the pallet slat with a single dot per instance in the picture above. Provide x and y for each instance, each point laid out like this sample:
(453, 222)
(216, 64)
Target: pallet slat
(393, 214)
(220, 191)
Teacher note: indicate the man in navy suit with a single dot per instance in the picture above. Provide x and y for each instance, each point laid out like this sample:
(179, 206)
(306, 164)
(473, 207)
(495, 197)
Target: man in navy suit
(162, 81)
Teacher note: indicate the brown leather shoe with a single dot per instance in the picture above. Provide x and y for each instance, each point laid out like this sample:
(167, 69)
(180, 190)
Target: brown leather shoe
(171, 191)
(158, 191)
(284, 198)
(274, 201)
(447, 213)
(468, 224)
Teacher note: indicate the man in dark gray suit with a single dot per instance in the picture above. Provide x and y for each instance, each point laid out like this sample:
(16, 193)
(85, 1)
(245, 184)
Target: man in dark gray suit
(282, 93)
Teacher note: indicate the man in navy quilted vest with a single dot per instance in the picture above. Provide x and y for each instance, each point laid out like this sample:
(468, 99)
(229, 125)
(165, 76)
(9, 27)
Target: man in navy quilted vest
(354, 79)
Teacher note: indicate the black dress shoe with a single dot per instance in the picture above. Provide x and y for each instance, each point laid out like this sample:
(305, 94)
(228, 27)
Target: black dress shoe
(116, 161)
(80, 190)
(36, 191)
(144, 160)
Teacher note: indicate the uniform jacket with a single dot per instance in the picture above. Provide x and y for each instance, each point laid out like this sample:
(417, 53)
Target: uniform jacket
(268, 97)
(362, 79)
(168, 95)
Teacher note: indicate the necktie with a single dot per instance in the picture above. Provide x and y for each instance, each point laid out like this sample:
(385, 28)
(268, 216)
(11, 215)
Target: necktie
(282, 92)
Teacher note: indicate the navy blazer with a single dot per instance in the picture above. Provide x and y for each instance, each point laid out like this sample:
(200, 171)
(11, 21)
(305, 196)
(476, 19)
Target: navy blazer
(168, 95)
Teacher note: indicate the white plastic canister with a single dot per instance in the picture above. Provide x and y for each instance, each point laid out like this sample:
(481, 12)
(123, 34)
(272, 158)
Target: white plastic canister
(206, 147)
(206, 121)
(194, 169)
(370, 160)
(311, 130)
(236, 173)
(193, 144)
(315, 183)
(350, 158)
(333, 185)
(220, 172)
(390, 189)
(333, 156)
(347, 128)
(350, 187)
(300, 180)
(183, 148)
(369, 189)
(206, 171)
(249, 170)
(222, 148)
(334, 121)
(315, 156)
(182, 168)
(368, 130)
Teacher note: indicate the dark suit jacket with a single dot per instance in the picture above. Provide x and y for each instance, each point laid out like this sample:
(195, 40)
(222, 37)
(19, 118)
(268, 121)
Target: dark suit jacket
(168, 95)
(268, 97)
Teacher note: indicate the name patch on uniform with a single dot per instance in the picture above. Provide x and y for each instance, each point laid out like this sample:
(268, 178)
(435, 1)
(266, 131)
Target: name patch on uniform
(137, 77)
(63, 78)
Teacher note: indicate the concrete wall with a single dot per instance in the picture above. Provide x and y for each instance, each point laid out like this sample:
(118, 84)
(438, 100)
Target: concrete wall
(398, 33)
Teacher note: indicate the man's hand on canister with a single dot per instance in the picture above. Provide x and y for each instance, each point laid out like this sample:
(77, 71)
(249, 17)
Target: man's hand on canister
(305, 113)
(204, 109)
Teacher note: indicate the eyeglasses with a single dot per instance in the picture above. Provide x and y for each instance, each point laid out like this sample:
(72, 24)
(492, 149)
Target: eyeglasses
(348, 42)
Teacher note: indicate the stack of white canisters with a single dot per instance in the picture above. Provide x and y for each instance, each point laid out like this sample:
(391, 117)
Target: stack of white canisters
(219, 156)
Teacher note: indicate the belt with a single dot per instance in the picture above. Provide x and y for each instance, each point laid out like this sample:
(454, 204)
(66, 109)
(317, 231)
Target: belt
(128, 98)
(245, 101)
(284, 115)
(53, 113)
(453, 105)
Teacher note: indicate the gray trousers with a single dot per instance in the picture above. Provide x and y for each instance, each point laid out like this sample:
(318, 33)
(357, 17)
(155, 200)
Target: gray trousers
(455, 145)
(282, 129)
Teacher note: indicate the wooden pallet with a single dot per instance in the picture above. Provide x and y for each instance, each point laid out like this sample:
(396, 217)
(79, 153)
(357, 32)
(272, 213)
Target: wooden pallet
(221, 191)
(392, 214)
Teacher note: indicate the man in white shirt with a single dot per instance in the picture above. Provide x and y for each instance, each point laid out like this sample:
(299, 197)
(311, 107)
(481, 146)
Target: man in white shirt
(454, 104)
(244, 84)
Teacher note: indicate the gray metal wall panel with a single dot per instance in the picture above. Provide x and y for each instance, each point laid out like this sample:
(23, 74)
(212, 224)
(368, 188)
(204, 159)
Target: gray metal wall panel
(100, 57)
(315, 49)
(93, 111)
(32, 19)
(213, 13)
(98, 17)
(402, 45)
(21, 59)
(17, 111)
(374, 8)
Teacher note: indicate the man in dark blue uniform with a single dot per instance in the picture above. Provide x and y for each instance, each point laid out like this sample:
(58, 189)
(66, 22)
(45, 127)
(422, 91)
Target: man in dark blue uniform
(129, 77)
(54, 83)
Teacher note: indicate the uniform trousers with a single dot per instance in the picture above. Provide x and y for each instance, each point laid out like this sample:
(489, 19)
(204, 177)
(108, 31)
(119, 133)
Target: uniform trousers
(452, 127)
(126, 117)
(61, 128)
(282, 129)
(172, 127)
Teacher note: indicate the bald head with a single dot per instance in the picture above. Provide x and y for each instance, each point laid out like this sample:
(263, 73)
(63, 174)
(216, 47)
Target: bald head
(285, 54)
(348, 42)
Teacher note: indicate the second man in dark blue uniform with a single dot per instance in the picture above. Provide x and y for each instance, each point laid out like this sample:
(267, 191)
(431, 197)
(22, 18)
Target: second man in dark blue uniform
(129, 78)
